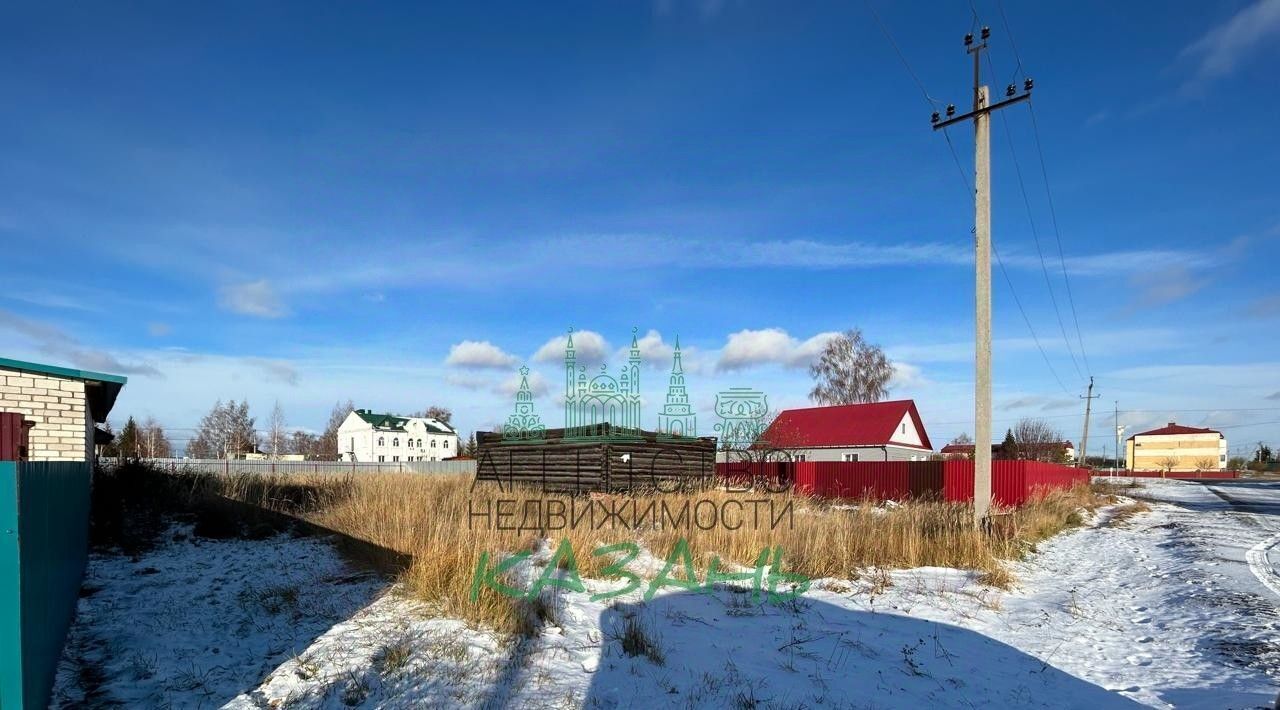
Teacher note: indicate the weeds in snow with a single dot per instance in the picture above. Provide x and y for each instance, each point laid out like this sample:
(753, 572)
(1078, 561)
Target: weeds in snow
(427, 518)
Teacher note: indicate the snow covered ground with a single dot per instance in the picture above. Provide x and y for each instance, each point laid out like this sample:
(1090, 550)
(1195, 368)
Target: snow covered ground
(1167, 608)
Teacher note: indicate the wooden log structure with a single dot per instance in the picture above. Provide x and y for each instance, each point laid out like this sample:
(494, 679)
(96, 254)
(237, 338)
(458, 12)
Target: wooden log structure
(641, 460)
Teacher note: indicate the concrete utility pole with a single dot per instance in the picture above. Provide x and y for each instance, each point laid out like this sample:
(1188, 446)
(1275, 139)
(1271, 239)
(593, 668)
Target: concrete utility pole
(1084, 439)
(982, 107)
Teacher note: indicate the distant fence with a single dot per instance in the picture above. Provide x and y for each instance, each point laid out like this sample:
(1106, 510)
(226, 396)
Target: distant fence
(44, 523)
(1012, 482)
(228, 466)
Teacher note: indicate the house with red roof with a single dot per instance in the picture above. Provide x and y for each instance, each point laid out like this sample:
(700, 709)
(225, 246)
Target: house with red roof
(1175, 447)
(877, 431)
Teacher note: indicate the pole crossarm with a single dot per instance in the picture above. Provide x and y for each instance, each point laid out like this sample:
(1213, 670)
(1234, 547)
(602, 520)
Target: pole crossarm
(981, 111)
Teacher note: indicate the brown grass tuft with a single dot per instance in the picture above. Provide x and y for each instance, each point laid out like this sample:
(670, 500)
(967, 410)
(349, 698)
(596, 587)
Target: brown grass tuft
(428, 517)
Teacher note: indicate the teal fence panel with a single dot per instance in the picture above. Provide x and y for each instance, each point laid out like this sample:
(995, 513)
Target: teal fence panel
(10, 590)
(42, 567)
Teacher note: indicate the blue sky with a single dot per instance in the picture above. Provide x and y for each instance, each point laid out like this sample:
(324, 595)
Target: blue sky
(310, 203)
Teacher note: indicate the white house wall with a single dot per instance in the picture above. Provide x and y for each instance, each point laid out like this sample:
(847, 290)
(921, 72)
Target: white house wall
(907, 433)
(865, 453)
(358, 440)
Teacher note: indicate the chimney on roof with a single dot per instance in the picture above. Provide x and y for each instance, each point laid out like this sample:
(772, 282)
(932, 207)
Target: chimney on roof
(1173, 424)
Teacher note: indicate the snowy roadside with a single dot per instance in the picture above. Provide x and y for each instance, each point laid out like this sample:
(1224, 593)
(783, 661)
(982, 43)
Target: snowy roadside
(1110, 615)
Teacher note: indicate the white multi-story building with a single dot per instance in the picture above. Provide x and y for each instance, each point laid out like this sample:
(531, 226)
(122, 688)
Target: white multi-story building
(366, 436)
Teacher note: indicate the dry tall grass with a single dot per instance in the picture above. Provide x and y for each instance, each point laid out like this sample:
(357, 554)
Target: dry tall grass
(428, 518)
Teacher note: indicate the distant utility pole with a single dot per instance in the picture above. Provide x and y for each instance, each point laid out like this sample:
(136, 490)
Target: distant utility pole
(1119, 431)
(1084, 439)
(982, 107)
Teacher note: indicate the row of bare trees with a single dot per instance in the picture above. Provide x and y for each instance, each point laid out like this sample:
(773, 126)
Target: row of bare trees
(229, 430)
(1030, 439)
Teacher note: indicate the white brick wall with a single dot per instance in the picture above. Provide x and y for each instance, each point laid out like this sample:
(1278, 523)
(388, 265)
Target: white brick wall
(63, 429)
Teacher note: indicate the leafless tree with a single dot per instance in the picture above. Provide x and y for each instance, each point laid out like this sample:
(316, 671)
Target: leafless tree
(850, 371)
(304, 443)
(1206, 463)
(153, 441)
(1039, 441)
(276, 430)
(227, 430)
(1169, 463)
(327, 446)
(961, 439)
(441, 414)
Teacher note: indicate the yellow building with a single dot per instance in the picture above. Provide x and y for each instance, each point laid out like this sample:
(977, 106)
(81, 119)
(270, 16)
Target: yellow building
(1177, 448)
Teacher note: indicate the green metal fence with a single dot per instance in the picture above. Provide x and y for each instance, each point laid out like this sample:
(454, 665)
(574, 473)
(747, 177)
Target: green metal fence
(44, 521)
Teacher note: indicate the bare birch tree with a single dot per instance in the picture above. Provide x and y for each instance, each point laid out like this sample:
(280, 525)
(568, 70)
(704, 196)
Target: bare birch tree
(850, 371)
(277, 435)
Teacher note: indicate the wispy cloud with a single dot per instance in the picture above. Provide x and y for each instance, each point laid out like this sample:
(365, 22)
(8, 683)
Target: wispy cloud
(1161, 287)
(55, 343)
(277, 370)
(1265, 307)
(479, 354)
(158, 330)
(1273, 396)
(252, 298)
(1224, 47)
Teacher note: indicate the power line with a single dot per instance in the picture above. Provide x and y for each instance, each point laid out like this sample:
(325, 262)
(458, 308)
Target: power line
(901, 57)
(964, 179)
(1053, 212)
(1035, 234)
(1057, 233)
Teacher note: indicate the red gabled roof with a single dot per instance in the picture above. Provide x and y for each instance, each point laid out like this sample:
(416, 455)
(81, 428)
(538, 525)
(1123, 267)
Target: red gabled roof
(1173, 428)
(844, 425)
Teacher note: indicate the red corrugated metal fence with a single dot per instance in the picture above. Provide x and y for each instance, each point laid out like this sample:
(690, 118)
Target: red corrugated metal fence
(1012, 482)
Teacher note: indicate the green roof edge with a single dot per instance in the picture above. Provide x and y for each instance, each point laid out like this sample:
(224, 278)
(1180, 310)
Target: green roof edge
(56, 371)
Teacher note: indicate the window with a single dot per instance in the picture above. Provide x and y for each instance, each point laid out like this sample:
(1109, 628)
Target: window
(446, 443)
(904, 427)
(382, 441)
(851, 457)
(433, 443)
(395, 458)
(395, 441)
(381, 458)
(801, 457)
(419, 443)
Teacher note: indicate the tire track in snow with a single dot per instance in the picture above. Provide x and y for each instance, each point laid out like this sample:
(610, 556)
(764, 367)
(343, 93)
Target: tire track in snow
(1257, 559)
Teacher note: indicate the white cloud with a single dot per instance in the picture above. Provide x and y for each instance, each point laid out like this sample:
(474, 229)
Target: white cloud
(158, 330)
(479, 354)
(537, 385)
(252, 298)
(746, 348)
(1222, 48)
(907, 375)
(588, 346)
